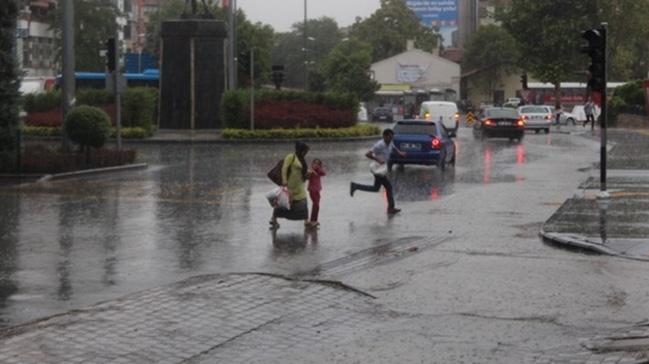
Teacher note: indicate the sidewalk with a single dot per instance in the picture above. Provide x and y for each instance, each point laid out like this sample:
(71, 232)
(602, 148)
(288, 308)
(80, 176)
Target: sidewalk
(616, 226)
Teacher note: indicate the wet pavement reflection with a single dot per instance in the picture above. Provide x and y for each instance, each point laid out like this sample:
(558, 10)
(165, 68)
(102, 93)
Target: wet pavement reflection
(201, 209)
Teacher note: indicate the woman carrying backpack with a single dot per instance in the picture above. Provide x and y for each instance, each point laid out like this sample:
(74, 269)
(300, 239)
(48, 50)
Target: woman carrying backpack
(294, 175)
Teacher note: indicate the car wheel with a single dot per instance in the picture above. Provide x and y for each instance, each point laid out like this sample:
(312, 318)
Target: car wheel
(571, 120)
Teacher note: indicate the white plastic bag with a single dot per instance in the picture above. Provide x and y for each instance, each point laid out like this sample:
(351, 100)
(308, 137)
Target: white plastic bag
(379, 169)
(279, 197)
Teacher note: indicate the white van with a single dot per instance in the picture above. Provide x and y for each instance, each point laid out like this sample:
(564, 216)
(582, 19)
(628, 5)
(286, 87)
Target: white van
(444, 111)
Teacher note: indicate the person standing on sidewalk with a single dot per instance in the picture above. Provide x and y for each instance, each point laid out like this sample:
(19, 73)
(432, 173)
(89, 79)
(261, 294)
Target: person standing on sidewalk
(316, 172)
(589, 109)
(380, 154)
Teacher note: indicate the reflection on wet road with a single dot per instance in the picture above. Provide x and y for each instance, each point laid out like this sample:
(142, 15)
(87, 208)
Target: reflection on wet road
(201, 209)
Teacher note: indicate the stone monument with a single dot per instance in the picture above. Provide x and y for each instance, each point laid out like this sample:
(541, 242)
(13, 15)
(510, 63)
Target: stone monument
(192, 71)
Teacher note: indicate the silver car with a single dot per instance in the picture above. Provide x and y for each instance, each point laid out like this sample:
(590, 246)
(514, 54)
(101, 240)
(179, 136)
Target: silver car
(537, 117)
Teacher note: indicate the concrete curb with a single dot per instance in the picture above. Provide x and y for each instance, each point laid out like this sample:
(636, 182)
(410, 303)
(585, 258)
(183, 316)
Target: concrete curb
(224, 141)
(88, 172)
(582, 242)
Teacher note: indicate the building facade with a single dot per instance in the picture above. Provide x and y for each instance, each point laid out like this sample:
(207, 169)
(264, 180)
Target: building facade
(35, 43)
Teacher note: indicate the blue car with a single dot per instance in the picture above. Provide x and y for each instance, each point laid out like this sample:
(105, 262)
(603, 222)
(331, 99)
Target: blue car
(424, 142)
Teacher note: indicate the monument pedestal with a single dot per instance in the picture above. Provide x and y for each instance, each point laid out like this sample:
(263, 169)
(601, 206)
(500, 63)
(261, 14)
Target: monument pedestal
(192, 74)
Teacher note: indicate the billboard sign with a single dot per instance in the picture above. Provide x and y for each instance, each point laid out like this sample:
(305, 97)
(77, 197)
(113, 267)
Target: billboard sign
(441, 14)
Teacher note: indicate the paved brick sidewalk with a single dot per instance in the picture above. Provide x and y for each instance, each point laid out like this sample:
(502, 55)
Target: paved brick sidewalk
(225, 318)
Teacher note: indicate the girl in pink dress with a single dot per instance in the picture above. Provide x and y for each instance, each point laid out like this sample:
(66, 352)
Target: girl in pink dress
(315, 186)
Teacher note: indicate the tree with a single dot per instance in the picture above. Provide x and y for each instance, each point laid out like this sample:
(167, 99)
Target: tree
(628, 36)
(94, 22)
(347, 69)
(548, 34)
(493, 53)
(323, 34)
(8, 76)
(389, 28)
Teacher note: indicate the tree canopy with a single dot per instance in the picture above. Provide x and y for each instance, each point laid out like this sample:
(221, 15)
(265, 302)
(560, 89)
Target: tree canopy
(323, 35)
(347, 69)
(389, 28)
(8, 76)
(94, 22)
(492, 53)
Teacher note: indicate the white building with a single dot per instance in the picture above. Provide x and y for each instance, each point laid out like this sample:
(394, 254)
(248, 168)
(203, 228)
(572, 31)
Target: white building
(415, 69)
(35, 45)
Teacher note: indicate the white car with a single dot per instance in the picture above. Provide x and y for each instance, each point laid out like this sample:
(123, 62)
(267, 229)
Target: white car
(537, 117)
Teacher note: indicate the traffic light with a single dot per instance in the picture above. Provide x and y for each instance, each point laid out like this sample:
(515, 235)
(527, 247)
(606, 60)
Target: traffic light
(596, 50)
(277, 75)
(244, 62)
(524, 81)
(111, 56)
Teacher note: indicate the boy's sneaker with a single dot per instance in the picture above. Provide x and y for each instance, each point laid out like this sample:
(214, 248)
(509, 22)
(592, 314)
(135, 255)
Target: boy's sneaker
(351, 189)
(393, 211)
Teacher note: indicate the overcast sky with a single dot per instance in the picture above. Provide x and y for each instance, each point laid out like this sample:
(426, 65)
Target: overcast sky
(281, 14)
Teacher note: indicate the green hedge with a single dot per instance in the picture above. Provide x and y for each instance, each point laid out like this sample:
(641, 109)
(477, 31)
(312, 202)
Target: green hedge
(44, 131)
(355, 131)
(139, 107)
(139, 104)
(42, 102)
(627, 99)
(94, 97)
(235, 104)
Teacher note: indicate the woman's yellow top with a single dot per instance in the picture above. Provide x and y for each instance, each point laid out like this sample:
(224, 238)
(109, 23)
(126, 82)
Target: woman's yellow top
(293, 180)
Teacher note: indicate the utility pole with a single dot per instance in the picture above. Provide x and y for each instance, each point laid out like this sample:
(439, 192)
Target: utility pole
(306, 65)
(232, 44)
(252, 88)
(68, 61)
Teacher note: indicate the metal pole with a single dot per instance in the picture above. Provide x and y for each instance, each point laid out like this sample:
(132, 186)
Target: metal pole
(604, 118)
(68, 61)
(306, 69)
(231, 56)
(118, 97)
(235, 52)
(252, 89)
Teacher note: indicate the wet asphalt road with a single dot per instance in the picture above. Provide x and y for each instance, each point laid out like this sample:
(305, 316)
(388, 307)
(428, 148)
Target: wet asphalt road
(201, 209)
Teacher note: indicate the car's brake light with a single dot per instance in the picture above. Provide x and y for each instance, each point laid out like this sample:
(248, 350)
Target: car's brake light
(436, 144)
(520, 122)
(489, 122)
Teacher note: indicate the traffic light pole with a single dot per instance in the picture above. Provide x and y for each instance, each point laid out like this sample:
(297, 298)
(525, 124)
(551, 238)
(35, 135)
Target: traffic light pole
(603, 193)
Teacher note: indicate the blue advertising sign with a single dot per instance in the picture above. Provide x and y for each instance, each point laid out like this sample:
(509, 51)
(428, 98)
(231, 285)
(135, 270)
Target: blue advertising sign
(441, 14)
(437, 13)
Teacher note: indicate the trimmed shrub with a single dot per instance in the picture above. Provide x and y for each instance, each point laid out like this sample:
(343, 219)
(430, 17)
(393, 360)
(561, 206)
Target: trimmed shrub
(297, 133)
(87, 126)
(132, 133)
(40, 159)
(627, 99)
(138, 107)
(289, 109)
